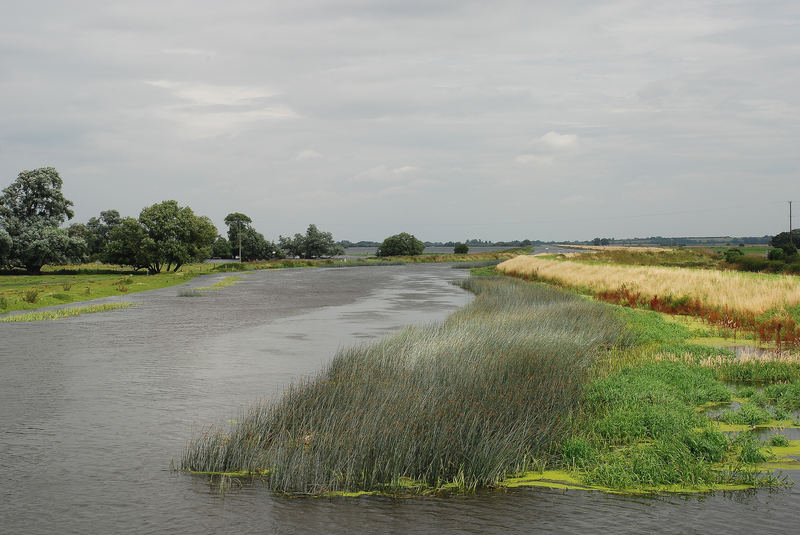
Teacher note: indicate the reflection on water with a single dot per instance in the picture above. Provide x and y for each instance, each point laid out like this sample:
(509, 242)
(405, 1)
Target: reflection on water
(94, 407)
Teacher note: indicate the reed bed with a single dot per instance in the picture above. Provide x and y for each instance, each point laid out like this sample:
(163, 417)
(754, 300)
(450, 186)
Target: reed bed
(469, 401)
(64, 312)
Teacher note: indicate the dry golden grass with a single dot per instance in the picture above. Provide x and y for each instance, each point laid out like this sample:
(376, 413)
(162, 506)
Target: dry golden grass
(745, 292)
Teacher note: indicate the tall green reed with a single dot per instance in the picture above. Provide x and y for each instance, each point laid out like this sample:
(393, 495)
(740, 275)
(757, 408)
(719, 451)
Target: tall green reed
(480, 396)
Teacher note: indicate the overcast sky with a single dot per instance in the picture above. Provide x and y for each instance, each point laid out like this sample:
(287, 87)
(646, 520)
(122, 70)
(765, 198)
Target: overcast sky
(447, 119)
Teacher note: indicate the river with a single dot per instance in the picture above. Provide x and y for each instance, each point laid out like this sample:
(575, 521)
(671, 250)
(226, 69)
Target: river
(94, 408)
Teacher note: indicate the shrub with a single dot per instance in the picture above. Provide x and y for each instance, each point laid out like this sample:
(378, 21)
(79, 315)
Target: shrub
(461, 248)
(402, 244)
(732, 256)
(752, 263)
(776, 254)
(3, 303)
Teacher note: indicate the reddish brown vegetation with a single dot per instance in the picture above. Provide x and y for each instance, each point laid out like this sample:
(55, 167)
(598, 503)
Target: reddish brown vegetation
(784, 331)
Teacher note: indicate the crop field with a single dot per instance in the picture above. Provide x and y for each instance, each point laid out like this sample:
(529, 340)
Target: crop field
(764, 304)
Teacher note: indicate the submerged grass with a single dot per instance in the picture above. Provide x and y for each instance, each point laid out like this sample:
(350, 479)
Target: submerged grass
(224, 283)
(462, 404)
(64, 312)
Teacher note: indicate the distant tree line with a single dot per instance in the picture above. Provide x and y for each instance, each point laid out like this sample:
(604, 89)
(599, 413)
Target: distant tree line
(678, 242)
(165, 236)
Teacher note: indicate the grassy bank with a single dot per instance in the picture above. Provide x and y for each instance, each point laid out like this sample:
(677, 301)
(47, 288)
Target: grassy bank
(28, 292)
(464, 404)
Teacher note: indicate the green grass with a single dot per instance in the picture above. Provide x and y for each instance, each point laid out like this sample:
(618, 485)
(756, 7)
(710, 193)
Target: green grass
(758, 371)
(650, 327)
(640, 428)
(17, 291)
(46, 315)
(465, 403)
(760, 250)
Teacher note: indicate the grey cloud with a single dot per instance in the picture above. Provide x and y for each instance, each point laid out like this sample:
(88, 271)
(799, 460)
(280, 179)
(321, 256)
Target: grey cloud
(273, 108)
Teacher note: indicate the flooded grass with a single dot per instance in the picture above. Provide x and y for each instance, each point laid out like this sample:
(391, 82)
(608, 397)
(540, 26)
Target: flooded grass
(224, 283)
(457, 405)
(46, 315)
(640, 428)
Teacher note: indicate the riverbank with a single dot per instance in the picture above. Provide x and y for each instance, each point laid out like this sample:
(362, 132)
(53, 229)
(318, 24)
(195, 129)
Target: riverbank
(59, 285)
(528, 385)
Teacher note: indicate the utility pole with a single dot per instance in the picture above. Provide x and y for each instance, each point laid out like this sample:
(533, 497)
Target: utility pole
(791, 240)
(240, 238)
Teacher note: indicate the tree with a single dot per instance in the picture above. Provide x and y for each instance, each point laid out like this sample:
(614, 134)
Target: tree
(5, 247)
(782, 240)
(400, 244)
(126, 245)
(166, 236)
(236, 222)
(221, 248)
(31, 210)
(39, 244)
(315, 244)
(99, 230)
(254, 245)
(461, 248)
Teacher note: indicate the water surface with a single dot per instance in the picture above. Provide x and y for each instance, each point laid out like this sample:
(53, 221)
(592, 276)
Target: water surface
(94, 407)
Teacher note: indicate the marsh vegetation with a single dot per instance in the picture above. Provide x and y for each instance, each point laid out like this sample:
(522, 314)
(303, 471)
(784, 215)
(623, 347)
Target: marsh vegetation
(485, 394)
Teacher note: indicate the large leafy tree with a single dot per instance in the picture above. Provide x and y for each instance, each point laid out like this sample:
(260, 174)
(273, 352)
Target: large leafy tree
(166, 236)
(254, 245)
(783, 241)
(221, 248)
(400, 244)
(315, 244)
(5, 247)
(236, 222)
(32, 209)
(98, 230)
